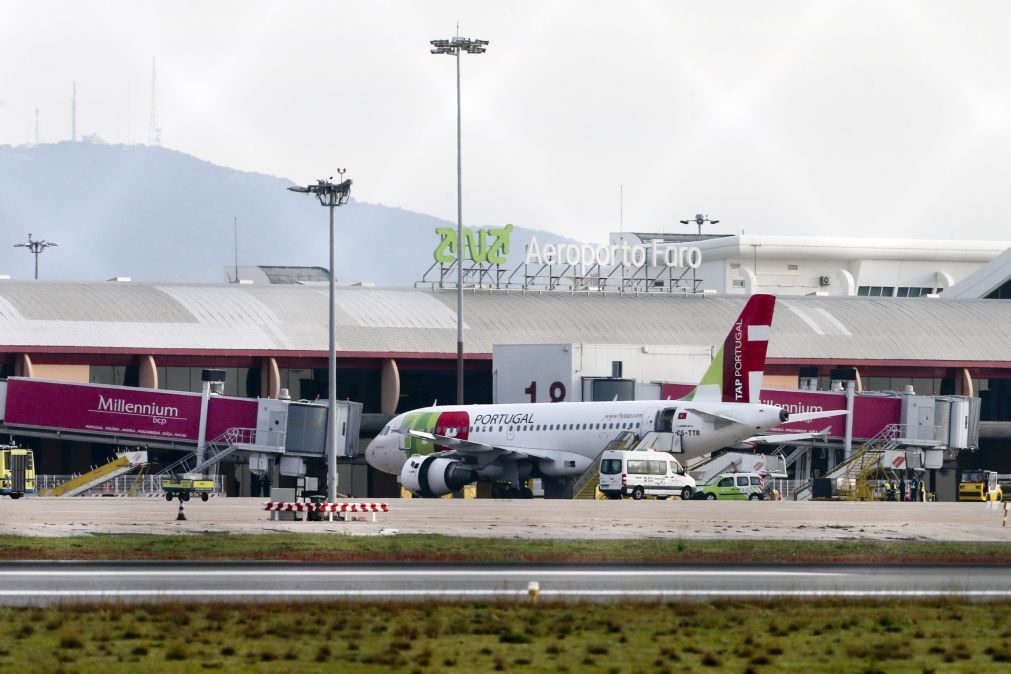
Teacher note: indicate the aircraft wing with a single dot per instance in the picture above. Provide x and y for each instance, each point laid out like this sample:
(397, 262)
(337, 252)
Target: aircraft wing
(711, 415)
(809, 416)
(466, 447)
(785, 437)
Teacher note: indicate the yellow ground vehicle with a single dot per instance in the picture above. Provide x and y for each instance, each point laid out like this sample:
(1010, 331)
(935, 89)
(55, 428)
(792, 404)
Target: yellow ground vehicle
(17, 472)
(979, 485)
(182, 488)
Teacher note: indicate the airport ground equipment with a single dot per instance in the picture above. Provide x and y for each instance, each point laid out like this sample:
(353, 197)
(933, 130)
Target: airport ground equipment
(586, 485)
(183, 488)
(122, 464)
(979, 485)
(17, 471)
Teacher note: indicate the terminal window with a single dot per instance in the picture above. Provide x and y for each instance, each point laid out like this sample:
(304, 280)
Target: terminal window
(903, 291)
(876, 291)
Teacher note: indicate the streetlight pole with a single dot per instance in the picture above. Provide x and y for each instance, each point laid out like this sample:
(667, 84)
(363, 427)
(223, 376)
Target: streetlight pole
(453, 47)
(35, 248)
(331, 195)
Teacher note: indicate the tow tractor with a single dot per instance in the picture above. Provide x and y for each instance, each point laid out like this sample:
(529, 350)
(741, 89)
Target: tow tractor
(979, 485)
(185, 486)
(17, 471)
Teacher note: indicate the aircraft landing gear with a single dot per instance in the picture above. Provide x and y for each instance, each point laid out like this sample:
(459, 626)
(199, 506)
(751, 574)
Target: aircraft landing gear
(509, 491)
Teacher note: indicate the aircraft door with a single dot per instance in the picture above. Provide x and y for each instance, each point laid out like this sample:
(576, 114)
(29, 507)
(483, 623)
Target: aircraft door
(665, 420)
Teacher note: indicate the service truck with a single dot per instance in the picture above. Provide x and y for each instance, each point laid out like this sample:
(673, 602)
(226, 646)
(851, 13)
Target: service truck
(979, 485)
(17, 471)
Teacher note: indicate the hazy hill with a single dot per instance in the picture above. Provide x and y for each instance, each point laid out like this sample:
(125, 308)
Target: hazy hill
(158, 215)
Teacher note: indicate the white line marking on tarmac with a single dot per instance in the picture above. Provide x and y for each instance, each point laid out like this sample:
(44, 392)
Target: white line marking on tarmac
(421, 572)
(400, 593)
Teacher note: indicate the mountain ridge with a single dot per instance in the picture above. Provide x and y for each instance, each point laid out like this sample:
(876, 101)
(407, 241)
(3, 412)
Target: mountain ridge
(159, 215)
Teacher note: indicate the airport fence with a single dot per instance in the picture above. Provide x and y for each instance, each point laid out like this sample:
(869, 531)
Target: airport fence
(122, 485)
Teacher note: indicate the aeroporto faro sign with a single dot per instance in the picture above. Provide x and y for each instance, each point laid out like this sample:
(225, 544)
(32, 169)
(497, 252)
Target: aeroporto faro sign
(491, 246)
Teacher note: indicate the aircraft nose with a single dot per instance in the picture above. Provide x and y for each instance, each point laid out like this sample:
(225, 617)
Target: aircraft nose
(383, 454)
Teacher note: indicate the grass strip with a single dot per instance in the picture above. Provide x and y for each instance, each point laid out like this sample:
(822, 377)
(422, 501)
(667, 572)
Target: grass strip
(820, 636)
(438, 548)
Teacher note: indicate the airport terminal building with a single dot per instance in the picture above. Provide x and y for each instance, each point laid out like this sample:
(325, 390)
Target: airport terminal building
(396, 348)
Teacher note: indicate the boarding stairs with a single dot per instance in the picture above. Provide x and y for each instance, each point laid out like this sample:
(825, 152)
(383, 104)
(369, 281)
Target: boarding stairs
(123, 463)
(585, 486)
(655, 441)
(228, 443)
(850, 479)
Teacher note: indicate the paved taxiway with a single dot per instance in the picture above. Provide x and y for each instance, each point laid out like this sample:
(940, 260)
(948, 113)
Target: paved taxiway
(535, 519)
(40, 584)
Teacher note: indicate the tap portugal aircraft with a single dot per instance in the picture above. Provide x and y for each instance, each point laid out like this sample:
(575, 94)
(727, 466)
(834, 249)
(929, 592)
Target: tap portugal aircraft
(438, 450)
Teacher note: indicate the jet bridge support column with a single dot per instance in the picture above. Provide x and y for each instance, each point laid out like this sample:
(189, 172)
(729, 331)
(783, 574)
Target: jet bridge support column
(850, 403)
(208, 377)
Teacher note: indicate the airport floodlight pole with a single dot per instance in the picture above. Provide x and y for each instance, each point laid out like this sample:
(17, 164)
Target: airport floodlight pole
(700, 220)
(453, 47)
(331, 195)
(35, 248)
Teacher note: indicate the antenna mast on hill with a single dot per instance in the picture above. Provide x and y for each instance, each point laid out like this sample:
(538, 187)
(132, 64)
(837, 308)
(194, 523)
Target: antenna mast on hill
(153, 131)
(235, 223)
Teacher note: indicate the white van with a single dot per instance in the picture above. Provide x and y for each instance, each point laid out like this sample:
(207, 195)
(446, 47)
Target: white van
(639, 473)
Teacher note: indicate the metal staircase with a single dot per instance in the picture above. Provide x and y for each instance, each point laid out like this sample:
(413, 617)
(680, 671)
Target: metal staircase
(851, 476)
(585, 486)
(214, 451)
(123, 463)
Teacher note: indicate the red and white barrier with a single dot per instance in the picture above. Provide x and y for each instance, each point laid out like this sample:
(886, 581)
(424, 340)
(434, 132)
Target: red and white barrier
(331, 508)
(354, 507)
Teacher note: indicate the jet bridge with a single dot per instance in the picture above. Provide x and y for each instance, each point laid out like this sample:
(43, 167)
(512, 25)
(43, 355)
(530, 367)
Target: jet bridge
(208, 427)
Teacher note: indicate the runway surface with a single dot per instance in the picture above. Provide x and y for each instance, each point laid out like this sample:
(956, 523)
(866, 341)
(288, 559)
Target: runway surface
(44, 584)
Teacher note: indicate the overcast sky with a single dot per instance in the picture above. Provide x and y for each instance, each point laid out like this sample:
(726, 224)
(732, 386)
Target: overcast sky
(803, 117)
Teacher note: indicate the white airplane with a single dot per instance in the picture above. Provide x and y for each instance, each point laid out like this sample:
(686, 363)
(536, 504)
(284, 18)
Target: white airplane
(438, 450)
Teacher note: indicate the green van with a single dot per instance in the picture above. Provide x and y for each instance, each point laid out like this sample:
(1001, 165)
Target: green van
(739, 486)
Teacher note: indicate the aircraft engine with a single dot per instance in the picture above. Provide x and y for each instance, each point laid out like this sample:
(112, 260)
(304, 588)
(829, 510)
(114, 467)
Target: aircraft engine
(433, 476)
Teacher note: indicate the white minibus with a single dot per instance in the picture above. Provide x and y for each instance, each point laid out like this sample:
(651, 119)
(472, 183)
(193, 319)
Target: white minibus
(643, 473)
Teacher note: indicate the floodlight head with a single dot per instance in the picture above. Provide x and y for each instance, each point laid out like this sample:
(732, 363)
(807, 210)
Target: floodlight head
(683, 222)
(297, 188)
(700, 219)
(713, 222)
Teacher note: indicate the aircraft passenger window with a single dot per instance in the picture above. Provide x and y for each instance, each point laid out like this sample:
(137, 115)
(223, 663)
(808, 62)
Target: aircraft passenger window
(499, 429)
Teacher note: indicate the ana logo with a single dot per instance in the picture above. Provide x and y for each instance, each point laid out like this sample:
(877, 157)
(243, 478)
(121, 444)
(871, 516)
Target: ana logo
(486, 246)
